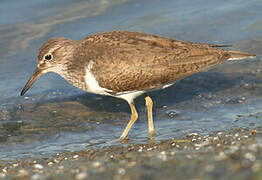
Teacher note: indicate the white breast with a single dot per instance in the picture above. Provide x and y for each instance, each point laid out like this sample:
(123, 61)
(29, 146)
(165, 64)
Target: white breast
(94, 87)
(92, 84)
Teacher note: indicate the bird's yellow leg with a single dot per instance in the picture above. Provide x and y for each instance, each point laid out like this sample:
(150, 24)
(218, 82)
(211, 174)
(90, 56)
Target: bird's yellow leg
(131, 122)
(149, 105)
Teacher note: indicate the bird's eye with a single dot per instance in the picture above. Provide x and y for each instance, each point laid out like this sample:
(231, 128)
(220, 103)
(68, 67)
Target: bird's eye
(48, 57)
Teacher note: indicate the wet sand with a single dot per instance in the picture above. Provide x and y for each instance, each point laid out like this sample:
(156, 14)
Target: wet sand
(235, 154)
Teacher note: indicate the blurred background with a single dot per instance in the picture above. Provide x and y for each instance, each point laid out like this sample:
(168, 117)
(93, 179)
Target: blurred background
(55, 117)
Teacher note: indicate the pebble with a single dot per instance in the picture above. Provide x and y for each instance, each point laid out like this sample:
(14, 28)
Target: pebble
(23, 172)
(163, 152)
(4, 169)
(192, 134)
(221, 156)
(96, 164)
(121, 171)
(15, 165)
(202, 144)
(256, 167)
(219, 133)
(215, 138)
(35, 177)
(82, 175)
(162, 156)
(75, 156)
(131, 164)
(189, 156)
(250, 156)
(38, 166)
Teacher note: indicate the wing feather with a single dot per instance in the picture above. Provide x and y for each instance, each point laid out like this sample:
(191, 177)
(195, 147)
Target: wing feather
(128, 61)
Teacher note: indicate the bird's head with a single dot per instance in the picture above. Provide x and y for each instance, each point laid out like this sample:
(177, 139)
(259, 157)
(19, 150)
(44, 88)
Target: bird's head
(52, 57)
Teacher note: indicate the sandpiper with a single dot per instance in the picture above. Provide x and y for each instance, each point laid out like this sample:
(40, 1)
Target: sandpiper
(127, 64)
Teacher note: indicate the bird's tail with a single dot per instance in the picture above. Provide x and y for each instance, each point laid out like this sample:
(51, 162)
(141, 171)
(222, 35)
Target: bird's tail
(237, 55)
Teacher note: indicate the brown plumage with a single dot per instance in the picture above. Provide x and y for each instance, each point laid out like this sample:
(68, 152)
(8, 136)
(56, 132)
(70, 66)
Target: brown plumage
(126, 64)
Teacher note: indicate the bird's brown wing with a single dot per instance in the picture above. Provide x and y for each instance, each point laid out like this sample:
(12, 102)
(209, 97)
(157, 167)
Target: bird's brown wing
(128, 61)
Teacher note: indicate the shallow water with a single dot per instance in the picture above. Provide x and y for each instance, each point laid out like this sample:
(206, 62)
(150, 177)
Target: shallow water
(55, 117)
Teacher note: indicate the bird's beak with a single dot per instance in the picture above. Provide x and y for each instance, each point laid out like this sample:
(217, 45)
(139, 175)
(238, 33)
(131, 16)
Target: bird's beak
(37, 73)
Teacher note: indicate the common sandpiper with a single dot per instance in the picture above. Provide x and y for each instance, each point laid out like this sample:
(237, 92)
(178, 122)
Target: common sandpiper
(126, 64)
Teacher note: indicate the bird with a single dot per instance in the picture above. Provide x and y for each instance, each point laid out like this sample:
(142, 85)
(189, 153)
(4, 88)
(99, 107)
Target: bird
(127, 64)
